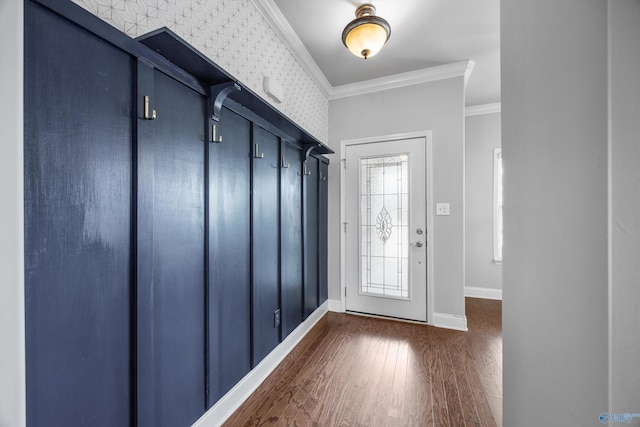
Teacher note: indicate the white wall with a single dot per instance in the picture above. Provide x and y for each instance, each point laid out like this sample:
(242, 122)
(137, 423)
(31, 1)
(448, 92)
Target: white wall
(12, 385)
(436, 106)
(554, 146)
(482, 136)
(624, 26)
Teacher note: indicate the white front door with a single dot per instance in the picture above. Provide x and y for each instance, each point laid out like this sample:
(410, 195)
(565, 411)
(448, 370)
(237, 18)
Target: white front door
(386, 233)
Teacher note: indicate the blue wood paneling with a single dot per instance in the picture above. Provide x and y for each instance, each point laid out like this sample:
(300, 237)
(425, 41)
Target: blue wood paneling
(229, 255)
(171, 256)
(311, 236)
(265, 242)
(291, 238)
(323, 207)
(78, 179)
(154, 259)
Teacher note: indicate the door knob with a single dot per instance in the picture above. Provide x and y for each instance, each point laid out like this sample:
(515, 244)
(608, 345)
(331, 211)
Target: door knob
(419, 231)
(418, 244)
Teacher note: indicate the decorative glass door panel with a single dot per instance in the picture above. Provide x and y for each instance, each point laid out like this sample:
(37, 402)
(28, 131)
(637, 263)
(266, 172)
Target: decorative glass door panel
(384, 248)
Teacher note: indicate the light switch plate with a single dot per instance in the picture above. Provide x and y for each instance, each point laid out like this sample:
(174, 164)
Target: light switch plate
(442, 208)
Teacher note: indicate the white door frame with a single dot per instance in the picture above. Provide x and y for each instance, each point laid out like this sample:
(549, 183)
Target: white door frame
(429, 209)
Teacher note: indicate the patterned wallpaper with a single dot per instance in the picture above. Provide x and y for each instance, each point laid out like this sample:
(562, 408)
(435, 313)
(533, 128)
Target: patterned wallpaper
(234, 35)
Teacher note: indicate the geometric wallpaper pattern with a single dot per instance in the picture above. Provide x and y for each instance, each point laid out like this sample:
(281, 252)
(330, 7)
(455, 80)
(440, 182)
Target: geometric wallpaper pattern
(235, 35)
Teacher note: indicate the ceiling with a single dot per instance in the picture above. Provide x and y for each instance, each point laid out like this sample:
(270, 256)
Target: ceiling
(424, 34)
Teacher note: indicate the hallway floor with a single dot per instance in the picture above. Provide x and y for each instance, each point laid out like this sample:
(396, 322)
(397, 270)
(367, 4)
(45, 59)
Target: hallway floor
(359, 371)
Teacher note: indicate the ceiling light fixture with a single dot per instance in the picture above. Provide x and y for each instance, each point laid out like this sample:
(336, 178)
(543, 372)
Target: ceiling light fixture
(365, 35)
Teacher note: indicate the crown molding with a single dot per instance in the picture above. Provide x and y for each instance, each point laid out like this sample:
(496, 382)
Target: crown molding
(467, 72)
(425, 75)
(476, 110)
(283, 29)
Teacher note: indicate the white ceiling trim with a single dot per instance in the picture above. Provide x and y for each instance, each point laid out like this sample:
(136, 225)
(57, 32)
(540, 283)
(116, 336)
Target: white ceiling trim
(439, 72)
(476, 110)
(468, 71)
(283, 29)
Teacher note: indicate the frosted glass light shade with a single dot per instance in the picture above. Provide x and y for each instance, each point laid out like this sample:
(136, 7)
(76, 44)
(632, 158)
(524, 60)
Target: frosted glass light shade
(366, 35)
(366, 40)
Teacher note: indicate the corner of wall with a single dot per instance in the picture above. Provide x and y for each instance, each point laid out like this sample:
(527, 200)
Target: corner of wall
(12, 356)
(335, 305)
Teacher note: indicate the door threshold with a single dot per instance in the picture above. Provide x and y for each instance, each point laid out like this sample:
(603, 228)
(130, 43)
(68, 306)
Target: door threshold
(379, 316)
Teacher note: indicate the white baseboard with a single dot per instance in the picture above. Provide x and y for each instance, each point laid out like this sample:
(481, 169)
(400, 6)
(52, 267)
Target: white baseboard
(440, 320)
(450, 321)
(486, 293)
(335, 305)
(231, 401)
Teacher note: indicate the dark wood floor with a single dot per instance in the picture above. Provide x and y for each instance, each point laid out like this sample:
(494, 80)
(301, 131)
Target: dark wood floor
(360, 371)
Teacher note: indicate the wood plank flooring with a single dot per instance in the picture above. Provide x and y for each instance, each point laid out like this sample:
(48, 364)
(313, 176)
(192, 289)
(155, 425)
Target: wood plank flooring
(359, 371)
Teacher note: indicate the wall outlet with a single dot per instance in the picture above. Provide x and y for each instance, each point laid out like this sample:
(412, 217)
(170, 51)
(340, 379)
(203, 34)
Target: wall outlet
(442, 208)
(276, 318)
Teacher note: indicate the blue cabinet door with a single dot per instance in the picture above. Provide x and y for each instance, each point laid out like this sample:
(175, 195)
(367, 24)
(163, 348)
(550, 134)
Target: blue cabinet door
(78, 230)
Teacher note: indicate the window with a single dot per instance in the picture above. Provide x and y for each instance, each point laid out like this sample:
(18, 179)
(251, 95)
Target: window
(384, 196)
(497, 205)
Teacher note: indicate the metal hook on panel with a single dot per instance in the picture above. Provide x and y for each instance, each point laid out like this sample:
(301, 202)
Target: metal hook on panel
(214, 137)
(255, 152)
(282, 163)
(218, 93)
(148, 116)
(305, 171)
(309, 150)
